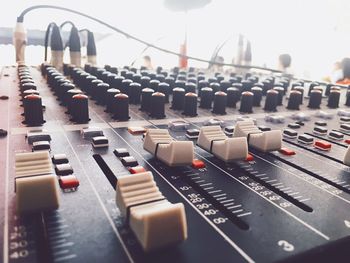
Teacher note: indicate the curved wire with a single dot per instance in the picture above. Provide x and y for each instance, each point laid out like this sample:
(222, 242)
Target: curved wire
(48, 30)
(27, 10)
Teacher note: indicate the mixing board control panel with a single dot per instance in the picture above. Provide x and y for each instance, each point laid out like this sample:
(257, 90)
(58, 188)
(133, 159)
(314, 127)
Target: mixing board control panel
(122, 165)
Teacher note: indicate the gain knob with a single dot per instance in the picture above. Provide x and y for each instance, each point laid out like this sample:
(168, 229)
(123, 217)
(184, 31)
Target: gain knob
(247, 102)
(315, 99)
(271, 100)
(190, 87)
(68, 99)
(178, 99)
(233, 96)
(126, 86)
(294, 100)
(281, 92)
(190, 104)
(110, 99)
(220, 101)
(121, 107)
(206, 98)
(333, 99)
(101, 95)
(257, 92)
(79, 108)
(146, 95)
(165, 89)
(33, 110)
(157, 105)
(135, 93)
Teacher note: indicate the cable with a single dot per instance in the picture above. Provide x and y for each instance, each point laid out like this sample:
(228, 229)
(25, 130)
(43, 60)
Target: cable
(66, 23)
(48, 30)
(27, 10)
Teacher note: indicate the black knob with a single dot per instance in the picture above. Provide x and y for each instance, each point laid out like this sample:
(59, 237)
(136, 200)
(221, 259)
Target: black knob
(328, 89)
(190, 87)
(347, 102)
(62, 92)
(247, 85)
(165, 89)
(178, 99)
(68, 99)
(121, 107)
(190, 104)
(79, 108)
(215, 86)
(26, 86)
(281, 92)
(220, 78)
(271, 100)
(129, 75)
(315, 99)
(94, 88)
(202, 84)
(333, 99)
(160, 77)
(224, 85)
(312, 86)
(206, 98)
(267, 84)
(101, 94)
(135, 93)
(146, 95)
(180, 84)
(247, 102)
(33, 110)
(117, 82)
(88, 83)
(126, 86)
(212, 80)
(110, 99)
(257, 92)
(294, 100)
(233, 96)
(153, 84)
(158, 105)
(220, 101)
(145, 82)
(301, 90)
(137, 78)
(110, 79)
(171, 82)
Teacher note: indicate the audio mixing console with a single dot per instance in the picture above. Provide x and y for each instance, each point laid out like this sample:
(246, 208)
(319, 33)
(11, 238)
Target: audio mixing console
(122, 165)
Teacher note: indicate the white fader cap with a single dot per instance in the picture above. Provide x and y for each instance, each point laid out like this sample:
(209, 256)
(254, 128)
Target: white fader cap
(154, 220)
(35, 184)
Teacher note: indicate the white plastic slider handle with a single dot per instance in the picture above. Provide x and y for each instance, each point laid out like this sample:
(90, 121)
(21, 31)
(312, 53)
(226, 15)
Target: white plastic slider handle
(20, 40)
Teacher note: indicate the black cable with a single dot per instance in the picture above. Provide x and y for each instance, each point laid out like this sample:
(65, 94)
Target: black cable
(24, 12)
(66, 23)
(48, 30)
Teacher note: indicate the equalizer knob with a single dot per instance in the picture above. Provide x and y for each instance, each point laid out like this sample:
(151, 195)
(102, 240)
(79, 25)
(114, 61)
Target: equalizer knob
(79, 108)
(301, 90)
(126, 86)
(224, 85)
(190, 104)
(247, 85)
(146, 95)
(220, 101)
(165, 89)
(281, 92)
(294, 100)
(33, 110)
(315, 99)
(178, 99)
(145, 82)
(328, 89)
(68, 98)
(233, 96)
(121, 107)
(258, 92)
(247, 102)
(117, 82)
(333, 99)
(158, 105)
(207, 96)
(101, 95)
(153, 84)
(190, 87)
(135, 93)
(271, 100)
(215, 86)
(110, 99)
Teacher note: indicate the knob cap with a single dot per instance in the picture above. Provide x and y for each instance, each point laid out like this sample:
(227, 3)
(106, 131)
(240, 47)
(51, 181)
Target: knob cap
(80, 108)
(110, 99)
(33, 110)
(271, 100)
(146, 95)
(220, 101)
(333, 99)
(158, 105)
(294, 100)
(178, 99)
(233, 96)
(121, 107)
(190, 104)
(247, 102)
(207, 98)
(257, 92)
(315, 99)
(135, 93)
